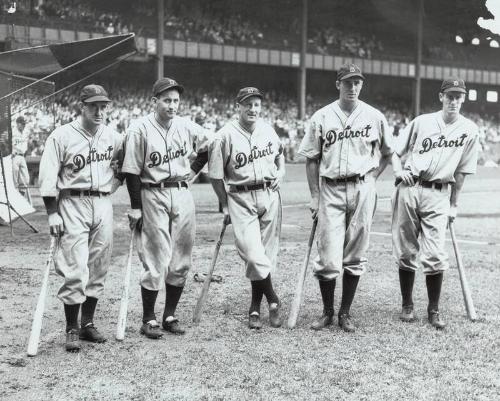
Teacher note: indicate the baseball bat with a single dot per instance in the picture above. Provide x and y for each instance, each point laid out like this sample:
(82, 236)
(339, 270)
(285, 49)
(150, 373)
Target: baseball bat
(206, 284)
(36, 326)
(122, 315)
(297, 298)
(469, 304)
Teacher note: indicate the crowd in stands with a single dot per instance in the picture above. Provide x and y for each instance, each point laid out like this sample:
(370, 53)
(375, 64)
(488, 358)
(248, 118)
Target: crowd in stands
(332, 40)
(212, 110)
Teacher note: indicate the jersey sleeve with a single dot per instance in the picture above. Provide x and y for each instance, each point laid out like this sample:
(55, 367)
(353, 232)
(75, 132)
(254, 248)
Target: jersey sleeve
(406, 139)
(50, 164)
(134, 149)
(216, 157)
(386, 138)
(468, 161)
(310, 147)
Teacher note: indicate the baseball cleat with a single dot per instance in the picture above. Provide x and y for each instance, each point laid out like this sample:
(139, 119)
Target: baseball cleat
(173, 326)
(72, 341)
(254, 321)
(325, 320)
(346, 323)
(151, 329)
(407, 314)
(90, 333)
(435, 320)
(274, 315)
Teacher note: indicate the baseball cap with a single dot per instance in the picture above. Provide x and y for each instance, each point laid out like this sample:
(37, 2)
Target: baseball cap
(20, 120)
(164, 84)
(245, 93)
(93, 93)
(453, 84)
(349, 71)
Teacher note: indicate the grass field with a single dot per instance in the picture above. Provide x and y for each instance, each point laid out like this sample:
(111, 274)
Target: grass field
(221, 359)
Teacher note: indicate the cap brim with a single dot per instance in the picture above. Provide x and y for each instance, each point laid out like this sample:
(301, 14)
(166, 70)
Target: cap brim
(454, 89)
(168, 87)
(99, 98)
(243, 98)
(352, 74)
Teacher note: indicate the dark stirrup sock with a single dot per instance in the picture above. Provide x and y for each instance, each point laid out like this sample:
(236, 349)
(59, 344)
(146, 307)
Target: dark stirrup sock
(406, 280)
(327, 288)
(268, 290)
(88, 309)
(257, 295)
(349, 285)
(148, 304)
(172, 296)
(71, 312)
(434, 283)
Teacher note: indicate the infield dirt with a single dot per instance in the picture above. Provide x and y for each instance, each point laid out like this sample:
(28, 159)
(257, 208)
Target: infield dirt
(221, 359)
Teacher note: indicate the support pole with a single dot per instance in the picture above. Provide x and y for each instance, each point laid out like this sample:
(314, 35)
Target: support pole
(303, 69)
(159, 39)
(418, 61)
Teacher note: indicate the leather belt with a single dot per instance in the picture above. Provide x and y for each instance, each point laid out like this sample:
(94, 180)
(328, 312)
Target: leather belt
(246, 188)
(166, 184)
(427, 184)
(86, 192)
(344, 180)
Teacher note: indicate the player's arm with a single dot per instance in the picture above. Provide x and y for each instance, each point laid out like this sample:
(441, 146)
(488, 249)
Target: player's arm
(48, 175)
(216, 172)
(312, 173)
(197, 164)
(456, 188)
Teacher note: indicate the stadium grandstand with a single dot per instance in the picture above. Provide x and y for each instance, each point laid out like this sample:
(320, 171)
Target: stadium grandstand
(215, 47)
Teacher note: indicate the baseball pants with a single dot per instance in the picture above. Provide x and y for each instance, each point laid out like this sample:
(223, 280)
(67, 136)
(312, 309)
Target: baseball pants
(20, 172)
(256, 219)
(84, 250)
(344, 220)
(420, 212)
(167, 236)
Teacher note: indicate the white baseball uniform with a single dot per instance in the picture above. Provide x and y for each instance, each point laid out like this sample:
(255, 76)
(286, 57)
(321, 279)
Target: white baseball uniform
(244, 160)
(349, 149)
(435, 153)
(19, 167)
(158, 155)
(77, 166)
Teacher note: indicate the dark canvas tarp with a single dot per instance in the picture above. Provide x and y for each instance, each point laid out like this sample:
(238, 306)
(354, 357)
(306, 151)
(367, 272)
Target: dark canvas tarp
(43, 60)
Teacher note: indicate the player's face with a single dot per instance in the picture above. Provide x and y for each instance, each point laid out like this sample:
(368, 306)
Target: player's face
(249, 110)
(349, 89)
(94, 112)
(20, 127)
(167, 104)
(452, 102)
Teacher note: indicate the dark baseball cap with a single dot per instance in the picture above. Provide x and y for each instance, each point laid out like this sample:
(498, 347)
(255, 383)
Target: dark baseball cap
(245, 93)
(93, 93)
(453, 84)
(164, 84)
(20, 120)
(349, 71)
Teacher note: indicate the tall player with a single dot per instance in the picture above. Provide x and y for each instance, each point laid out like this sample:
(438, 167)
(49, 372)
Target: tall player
(442, 149)
(76, 177)
(248, 156)
(158, 170)
(347, 146)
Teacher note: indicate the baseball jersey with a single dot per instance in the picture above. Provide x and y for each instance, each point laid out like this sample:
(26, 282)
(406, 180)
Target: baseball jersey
(243, 158)
(156, 154)
(20, 141)
(347, 145)
(74, 159)
(437, 151)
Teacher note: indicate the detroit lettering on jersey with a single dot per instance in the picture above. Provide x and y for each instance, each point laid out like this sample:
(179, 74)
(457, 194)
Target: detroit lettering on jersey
(242, 158)
(80, 161)
(428, 144)
(333, 136)
(157, 158)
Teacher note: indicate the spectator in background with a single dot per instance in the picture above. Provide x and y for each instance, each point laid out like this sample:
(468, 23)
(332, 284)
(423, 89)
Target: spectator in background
(20, 138)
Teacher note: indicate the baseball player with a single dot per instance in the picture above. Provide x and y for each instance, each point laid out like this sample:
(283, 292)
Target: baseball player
(76, 177)
(247, 154)
(442, 148)
(19, 147)
(158, 170)
(347, 146)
